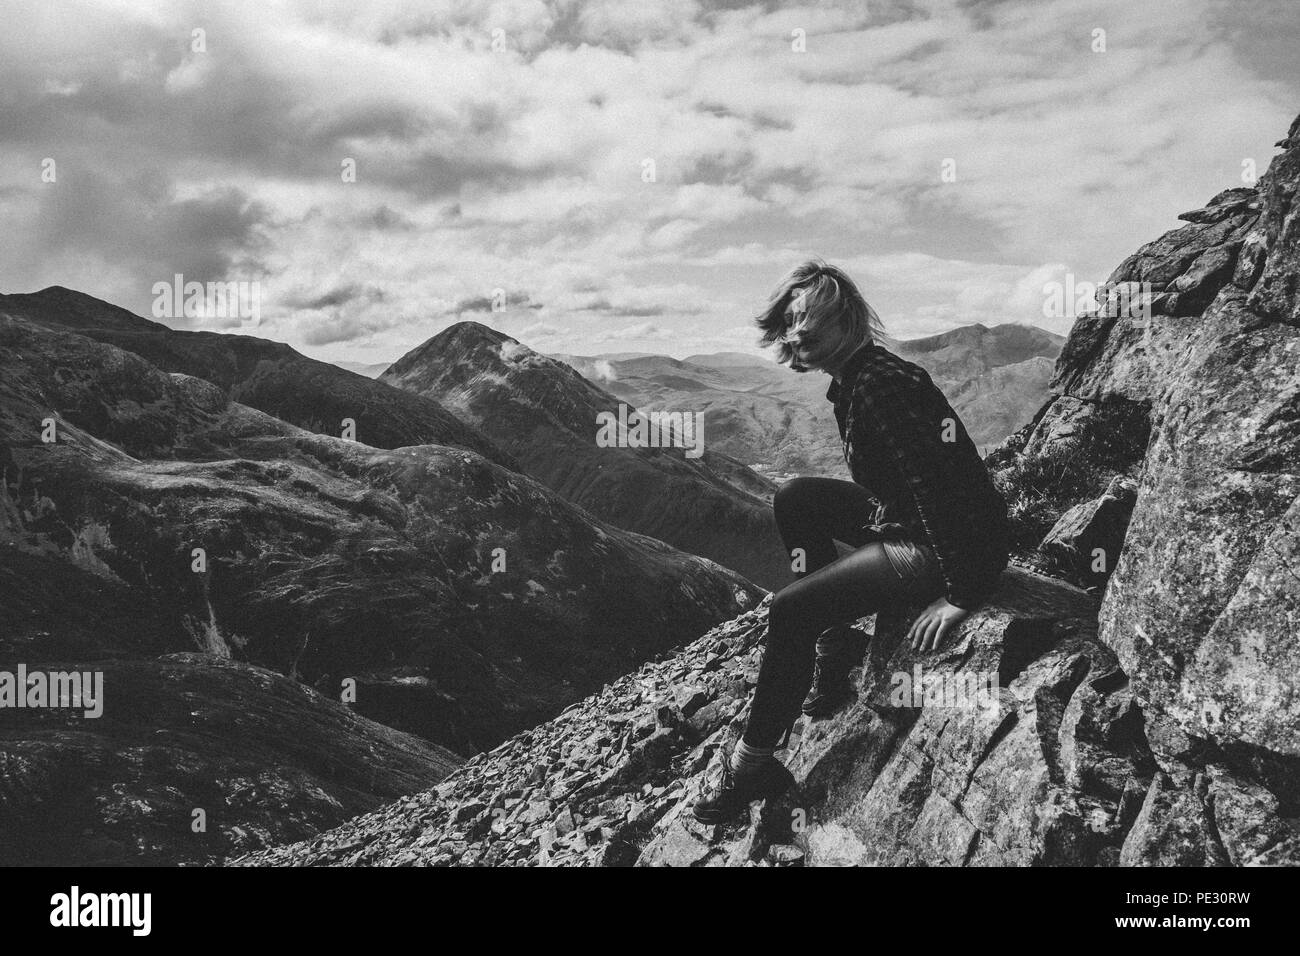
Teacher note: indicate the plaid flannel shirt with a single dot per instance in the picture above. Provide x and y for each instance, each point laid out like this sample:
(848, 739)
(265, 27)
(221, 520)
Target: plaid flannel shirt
(904, 443)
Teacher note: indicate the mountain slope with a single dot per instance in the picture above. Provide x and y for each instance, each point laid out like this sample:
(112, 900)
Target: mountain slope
(265, 759)
(545, 414)
(431, 589)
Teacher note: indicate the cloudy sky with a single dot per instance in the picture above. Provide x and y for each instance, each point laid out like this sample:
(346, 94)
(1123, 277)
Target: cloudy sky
(502, 151)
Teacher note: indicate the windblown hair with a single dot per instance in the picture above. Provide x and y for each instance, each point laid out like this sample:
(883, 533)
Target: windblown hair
(835, 322)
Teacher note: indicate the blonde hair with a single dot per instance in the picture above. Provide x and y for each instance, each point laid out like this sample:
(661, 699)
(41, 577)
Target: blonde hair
(836, 321)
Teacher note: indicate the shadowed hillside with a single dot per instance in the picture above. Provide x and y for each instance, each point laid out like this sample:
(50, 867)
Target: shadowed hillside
(152, 529)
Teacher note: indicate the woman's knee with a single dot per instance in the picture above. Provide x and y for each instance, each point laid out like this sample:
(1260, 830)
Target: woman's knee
(793, 496)
(787, 615)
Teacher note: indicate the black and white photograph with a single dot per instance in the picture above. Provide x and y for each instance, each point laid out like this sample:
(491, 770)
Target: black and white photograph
(482, 434)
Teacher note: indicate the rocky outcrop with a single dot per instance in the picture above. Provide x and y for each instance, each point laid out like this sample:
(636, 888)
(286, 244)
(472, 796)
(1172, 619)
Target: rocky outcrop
(1160, 726)
(1203, 607)
(545, 414)
(1014, 745)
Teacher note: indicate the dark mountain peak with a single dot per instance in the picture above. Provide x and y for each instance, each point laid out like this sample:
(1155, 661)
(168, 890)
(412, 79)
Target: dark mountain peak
(460, 353)
(968, 336)
(464, 341)
(1005, 344)
(546, 413)
(61, 306)
(472, 332)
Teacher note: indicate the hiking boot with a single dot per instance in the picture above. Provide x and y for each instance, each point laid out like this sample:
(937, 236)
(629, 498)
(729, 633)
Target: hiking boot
(733, 792)
(839, 650)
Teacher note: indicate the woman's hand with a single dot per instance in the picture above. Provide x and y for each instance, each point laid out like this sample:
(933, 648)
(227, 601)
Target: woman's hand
(933, 626)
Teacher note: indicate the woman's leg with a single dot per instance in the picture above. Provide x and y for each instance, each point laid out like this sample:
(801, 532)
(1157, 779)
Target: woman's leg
(812, 513)
(844, 590)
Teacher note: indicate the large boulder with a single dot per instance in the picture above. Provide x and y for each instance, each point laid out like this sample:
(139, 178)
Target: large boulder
(1083, 545)
(1015, 744)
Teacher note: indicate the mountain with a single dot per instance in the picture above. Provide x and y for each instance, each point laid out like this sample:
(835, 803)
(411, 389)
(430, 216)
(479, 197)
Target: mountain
(545, 415)
(261, 374)
(1151, 722)
(238, 579)
(725, 360)
(779, 422)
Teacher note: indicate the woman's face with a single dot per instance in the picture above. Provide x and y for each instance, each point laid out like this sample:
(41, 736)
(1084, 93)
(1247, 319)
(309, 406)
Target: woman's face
(808, 344)
(793, 334)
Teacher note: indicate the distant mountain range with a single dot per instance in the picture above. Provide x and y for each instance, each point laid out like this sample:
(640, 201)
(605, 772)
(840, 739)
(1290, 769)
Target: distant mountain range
(779, 422)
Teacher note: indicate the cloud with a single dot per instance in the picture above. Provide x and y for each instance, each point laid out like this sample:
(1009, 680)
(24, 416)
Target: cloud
(503, 144)
(338, 296)
(139, 230)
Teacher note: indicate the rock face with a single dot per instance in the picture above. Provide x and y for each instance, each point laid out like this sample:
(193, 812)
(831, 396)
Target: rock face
(1203, 608)
(1012, 746)
(1159, 725)
(780, 424)
(545, 414)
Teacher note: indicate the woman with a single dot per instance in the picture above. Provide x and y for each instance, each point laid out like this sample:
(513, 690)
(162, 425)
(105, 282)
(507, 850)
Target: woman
(921, 512)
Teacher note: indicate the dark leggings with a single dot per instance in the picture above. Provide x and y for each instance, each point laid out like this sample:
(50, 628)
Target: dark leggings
(812, 513)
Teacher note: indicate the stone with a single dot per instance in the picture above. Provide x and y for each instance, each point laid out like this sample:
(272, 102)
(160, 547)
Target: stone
(783, 854)
(1086, 542)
